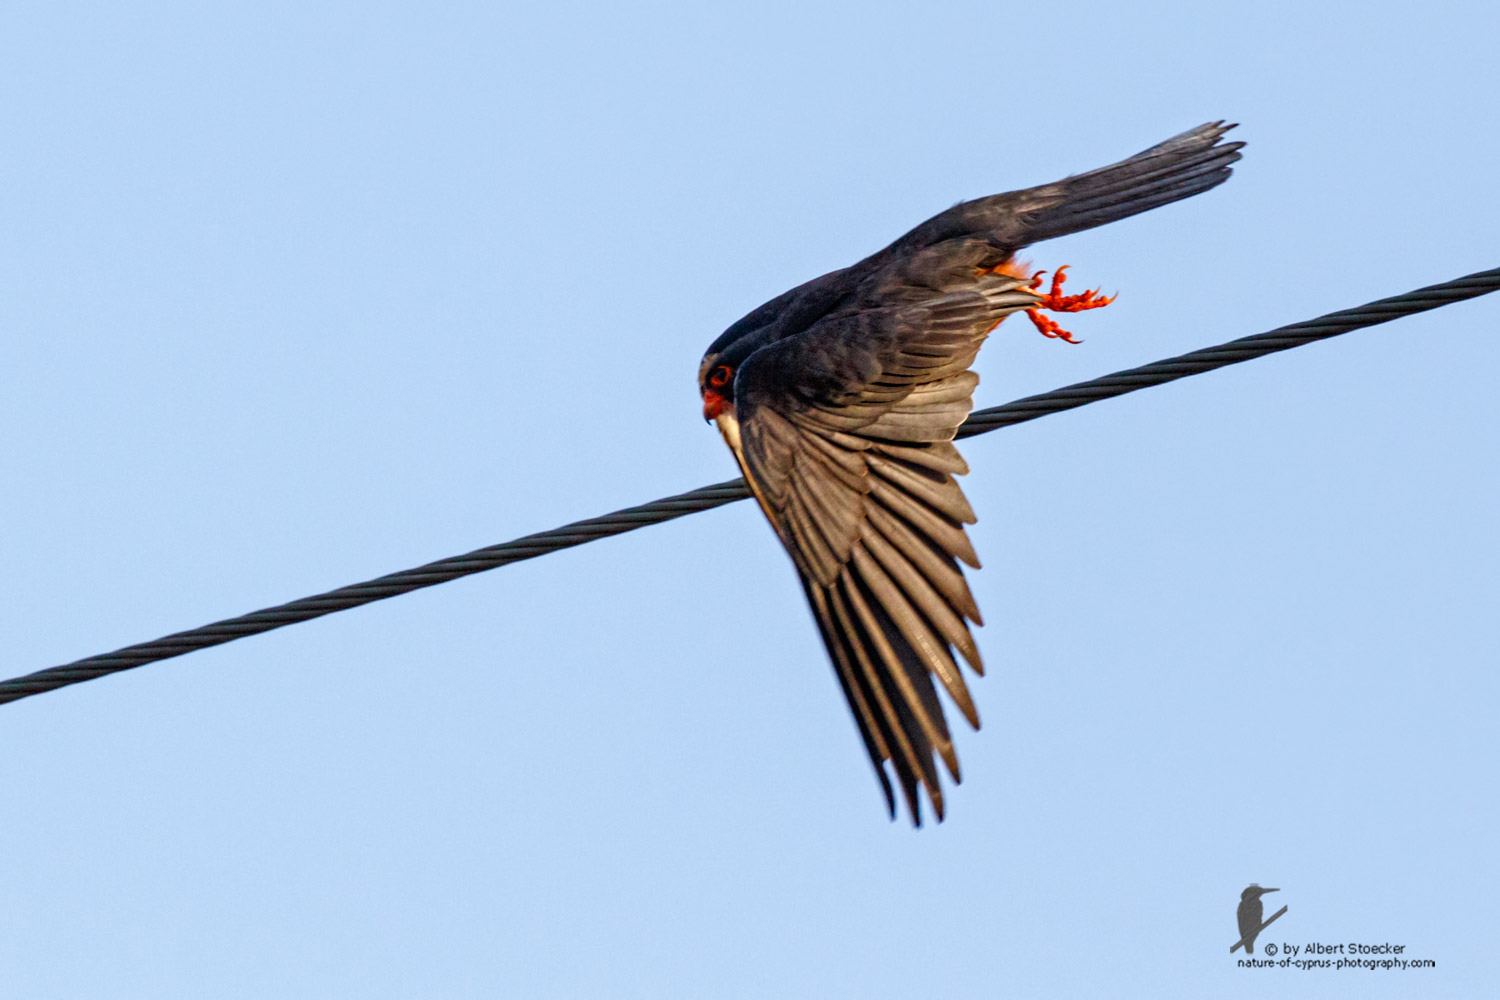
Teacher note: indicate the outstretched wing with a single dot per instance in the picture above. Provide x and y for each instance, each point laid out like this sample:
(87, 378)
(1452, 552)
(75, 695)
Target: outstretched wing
(845, 435)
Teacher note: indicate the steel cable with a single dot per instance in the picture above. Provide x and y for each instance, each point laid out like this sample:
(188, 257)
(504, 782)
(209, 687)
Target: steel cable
(707, 497)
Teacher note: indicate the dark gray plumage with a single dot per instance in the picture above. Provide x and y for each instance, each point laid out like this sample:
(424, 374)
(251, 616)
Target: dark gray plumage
(840, 399)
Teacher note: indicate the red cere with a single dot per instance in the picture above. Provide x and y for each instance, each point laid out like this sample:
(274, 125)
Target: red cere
(713, 404)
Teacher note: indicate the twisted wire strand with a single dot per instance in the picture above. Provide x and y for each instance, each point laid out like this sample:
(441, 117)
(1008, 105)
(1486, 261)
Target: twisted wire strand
(707, 497)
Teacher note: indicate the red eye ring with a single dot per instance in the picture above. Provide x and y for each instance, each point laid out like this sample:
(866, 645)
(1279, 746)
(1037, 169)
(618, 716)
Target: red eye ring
(719, 377)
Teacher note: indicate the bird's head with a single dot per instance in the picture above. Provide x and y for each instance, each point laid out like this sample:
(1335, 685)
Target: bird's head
(716, 384)
(719, 367)
(1253, 891)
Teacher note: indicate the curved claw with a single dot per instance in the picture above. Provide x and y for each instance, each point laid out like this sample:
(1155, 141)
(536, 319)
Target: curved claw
(1049, 328)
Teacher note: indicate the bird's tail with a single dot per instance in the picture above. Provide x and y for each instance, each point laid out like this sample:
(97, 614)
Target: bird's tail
(1181, 167)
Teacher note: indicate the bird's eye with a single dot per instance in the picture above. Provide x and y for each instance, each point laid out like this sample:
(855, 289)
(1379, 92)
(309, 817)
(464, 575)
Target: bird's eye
(719, 377)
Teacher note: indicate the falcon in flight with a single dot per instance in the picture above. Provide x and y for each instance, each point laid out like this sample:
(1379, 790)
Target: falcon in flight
(840, 400)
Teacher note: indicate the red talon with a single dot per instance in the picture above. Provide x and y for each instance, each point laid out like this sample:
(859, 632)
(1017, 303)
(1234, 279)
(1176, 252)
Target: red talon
(1056, 301)
(1049, 328)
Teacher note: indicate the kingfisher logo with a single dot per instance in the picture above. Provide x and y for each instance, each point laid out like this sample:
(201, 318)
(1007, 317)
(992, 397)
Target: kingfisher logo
(1250, 917)
(1248, 914)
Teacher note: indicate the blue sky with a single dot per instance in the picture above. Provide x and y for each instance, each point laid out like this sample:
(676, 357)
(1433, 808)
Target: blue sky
(293, 295)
